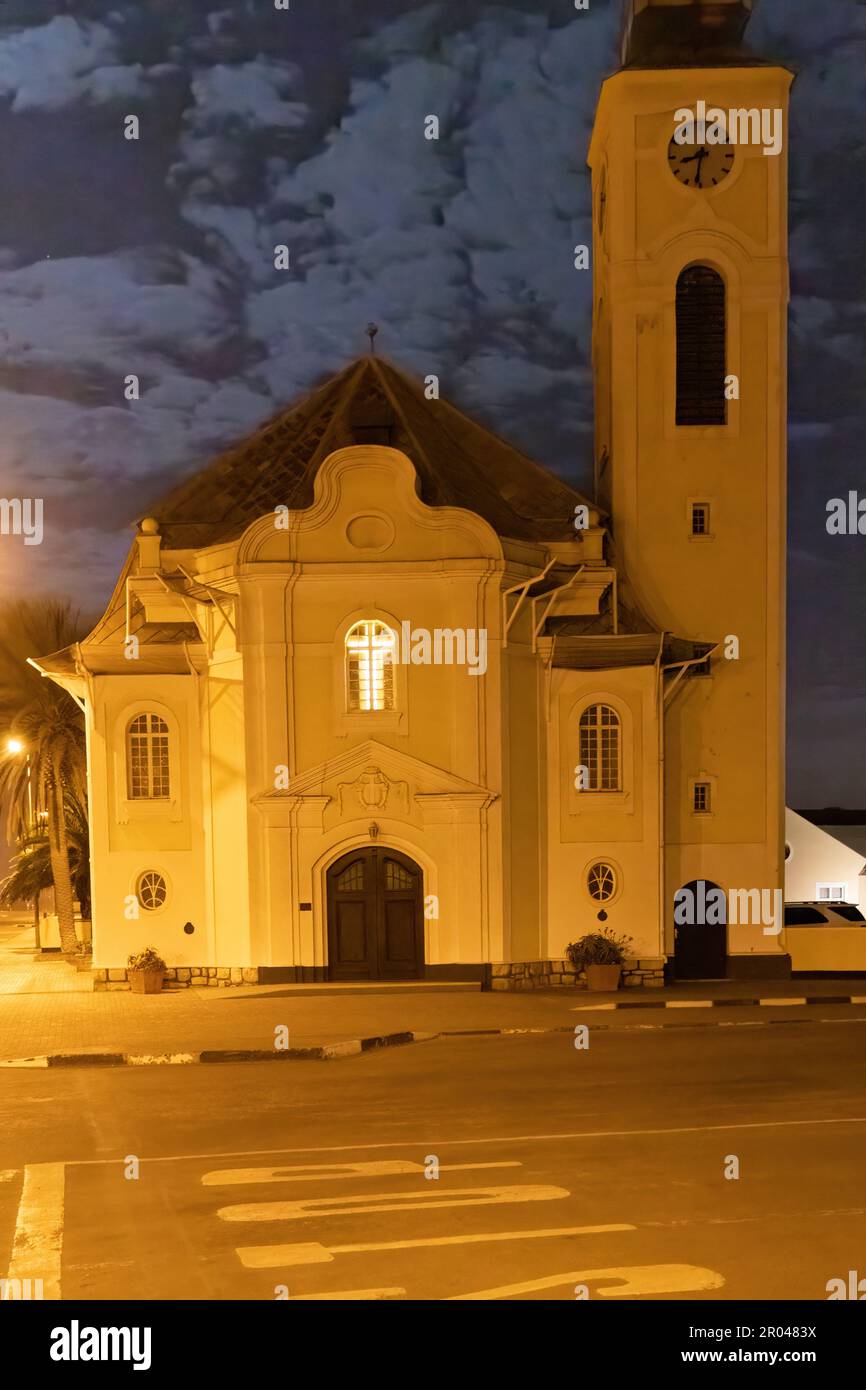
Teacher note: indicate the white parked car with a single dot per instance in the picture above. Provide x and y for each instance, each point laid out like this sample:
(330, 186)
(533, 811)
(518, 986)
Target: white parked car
(825, 938)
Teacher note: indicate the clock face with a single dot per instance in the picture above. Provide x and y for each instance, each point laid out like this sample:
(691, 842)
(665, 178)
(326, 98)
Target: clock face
(700, 166)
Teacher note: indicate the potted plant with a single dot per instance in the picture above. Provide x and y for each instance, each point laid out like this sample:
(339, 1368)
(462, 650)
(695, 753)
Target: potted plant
(146, 971)
(601, 956)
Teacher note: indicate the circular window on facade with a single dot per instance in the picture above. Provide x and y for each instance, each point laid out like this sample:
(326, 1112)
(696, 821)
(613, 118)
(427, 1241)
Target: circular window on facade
(787, 850)
(151, 890)
(601, 882)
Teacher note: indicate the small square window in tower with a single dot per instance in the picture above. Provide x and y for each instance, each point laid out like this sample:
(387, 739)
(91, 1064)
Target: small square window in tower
(701, 798)
(700, 518)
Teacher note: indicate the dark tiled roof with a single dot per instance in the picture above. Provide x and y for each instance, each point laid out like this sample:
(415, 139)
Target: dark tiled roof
(459, 463)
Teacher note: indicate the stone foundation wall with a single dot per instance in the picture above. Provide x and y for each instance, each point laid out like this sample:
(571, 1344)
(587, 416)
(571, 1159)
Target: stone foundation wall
(184, 977)
(559, 974)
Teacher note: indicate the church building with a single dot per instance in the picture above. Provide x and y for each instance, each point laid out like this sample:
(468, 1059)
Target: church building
(377, 697)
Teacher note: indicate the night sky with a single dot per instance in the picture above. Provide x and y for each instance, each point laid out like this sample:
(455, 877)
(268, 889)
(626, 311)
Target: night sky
(259, 127)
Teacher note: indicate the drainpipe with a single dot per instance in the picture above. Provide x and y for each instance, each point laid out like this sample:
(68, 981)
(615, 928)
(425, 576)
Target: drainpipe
(662, 866)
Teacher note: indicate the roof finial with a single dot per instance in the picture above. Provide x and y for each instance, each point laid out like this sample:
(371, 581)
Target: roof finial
(372, 330)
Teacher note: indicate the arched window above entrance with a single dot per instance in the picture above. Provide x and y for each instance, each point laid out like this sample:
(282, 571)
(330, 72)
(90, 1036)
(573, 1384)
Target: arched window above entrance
(370, 653)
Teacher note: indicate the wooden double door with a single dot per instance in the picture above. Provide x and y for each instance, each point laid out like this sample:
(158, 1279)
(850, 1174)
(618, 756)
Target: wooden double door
(375, 916)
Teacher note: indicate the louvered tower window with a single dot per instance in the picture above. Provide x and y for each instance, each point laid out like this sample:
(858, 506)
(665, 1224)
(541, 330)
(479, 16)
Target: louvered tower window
(700, 347)
(370, 651)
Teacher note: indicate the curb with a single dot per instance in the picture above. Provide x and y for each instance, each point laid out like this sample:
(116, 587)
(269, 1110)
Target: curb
(327, 1052)
(773, 1001)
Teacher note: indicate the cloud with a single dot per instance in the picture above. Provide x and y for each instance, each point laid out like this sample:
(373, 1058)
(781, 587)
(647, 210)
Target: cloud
(63, 62)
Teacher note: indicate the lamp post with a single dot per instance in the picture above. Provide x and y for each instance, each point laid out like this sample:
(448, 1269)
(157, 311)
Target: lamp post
(15, 747)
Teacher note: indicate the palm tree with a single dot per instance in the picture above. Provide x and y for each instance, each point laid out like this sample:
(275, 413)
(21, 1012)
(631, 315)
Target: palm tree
(30, 869)
(50, 726)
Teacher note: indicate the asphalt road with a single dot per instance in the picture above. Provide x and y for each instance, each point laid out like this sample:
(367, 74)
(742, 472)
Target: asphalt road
(558, 1169)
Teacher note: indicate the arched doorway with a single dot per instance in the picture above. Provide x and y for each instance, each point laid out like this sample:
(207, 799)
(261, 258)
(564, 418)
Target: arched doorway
(700, 931)
(375, 916)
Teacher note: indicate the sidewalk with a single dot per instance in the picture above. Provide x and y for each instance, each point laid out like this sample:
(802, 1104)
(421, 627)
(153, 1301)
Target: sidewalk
(24, 970)
(58, 1014)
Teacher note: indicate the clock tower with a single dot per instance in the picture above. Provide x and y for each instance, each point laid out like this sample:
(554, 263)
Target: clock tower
(689, 174)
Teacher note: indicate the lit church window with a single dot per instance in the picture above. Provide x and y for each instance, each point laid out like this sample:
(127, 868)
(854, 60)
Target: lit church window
(700, 312)
(147, 758)
(600, 748)
(370, 649)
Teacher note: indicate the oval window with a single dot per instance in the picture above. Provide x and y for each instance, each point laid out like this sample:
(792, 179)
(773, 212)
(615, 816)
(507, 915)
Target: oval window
(601, 882)
(151, 890)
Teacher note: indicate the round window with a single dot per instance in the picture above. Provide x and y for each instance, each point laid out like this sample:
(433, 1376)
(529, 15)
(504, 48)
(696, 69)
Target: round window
(787, 850)
(601, 882)
(151, 890)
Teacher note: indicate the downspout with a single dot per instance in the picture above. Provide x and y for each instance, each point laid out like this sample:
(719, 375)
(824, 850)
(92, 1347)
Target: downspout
(662, 864)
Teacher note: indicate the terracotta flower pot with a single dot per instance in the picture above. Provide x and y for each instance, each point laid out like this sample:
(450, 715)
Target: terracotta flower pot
(603, 977)
(146, 981)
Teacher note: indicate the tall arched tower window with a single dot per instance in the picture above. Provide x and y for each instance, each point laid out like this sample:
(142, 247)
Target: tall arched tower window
(700, 347)
(147, 759)
(600, 748)
(370, 650)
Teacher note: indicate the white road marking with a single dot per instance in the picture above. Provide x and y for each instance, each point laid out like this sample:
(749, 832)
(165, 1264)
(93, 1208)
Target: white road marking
(389, 1201)
(592, 1008)
(366, 1294)
(36, 1249)
(307, 1172)
(689, 1004)
(781, 1003)
(273, 1256)
(28, 1062)
(639, 1279)
(501, 1139)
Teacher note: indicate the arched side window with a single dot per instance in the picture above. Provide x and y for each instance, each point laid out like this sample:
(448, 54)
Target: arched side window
(701, 328)
(148, 776)
(370, 652)
(600, 748)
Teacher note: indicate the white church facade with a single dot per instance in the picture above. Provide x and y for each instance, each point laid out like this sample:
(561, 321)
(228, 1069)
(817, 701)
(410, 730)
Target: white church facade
(378, 697)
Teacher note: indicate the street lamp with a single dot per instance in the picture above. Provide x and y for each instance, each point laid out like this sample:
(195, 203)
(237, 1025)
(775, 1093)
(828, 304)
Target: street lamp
(14, 746)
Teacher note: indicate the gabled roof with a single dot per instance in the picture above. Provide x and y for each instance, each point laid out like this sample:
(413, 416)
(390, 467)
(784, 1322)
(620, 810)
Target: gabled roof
(459, 463)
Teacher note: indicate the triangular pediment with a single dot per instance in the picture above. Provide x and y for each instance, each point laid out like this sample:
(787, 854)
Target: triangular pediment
(372, 769)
